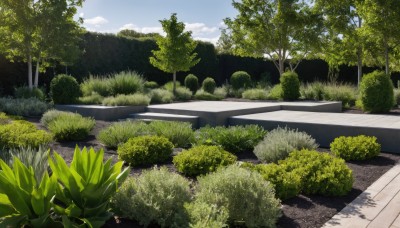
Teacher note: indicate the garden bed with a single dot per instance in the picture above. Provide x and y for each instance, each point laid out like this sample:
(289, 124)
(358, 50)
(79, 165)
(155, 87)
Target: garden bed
(300, 211)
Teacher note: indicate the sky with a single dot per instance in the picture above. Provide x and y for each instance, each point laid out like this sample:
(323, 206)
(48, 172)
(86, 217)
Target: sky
(203, 17)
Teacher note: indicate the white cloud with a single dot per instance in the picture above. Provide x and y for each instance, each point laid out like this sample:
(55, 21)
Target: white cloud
(143, 29)
(213, 40)
(81, 15)
(199, 29)
(96, 21)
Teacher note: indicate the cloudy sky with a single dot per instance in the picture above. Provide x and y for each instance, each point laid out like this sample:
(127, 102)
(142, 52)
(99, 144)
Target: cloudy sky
(202, 17)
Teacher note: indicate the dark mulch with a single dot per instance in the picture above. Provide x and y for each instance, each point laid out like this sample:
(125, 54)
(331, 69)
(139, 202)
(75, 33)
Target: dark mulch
(301, 211)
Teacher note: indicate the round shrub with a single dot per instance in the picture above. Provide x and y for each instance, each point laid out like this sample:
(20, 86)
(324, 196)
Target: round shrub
(248, 198)
(278, 143)
(64, 89)
(151, 85)
(209, 85)
(355, 148)
(155, 197)
(25, 92)
(145, 150)
(240, 80)
(202, 160)
(376, 92)
(290, 85)
(321, 173)
(192, 83)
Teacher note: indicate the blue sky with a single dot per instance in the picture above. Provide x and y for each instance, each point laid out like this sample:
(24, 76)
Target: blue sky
(202, 17)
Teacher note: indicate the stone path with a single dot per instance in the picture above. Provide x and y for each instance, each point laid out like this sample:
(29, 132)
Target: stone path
(378, 206)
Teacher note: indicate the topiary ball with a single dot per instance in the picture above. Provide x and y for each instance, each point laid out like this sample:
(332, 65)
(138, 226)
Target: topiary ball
(209, 85)
(355, 148)
(290, 85)
(145, 150)
(240, 80)
(376, 90)
(192, 83)
(64, 89)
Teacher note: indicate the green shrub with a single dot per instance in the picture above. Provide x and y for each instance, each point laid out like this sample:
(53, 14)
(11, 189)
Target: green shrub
(170, 85)
(120, 132)
(86, 187)
(396, 93)
(203, 215)
(64, 89)
(192, 83)
(355, 148)
(23, 107)
(161, 96)
(247, 197)
(280, 142)
(321, 173)
(312, 91)
(183, 94)
(179, 133)
(206, 96)
(145, 150)
(155, 197)
(286, 184)
(127, 100)
(220, 92)
(96, 85)
(71, 127)
(202, 160)
(234, 139)
(25, 92)
(151, 85)
(20, 133)
(94, 98)
(340, 92)
(53, 114)
(275, 93)
(240, 80)
(209, 85)
(265, 80)
(376, 92)
(255, 94)
(290, 84)
(126, 82)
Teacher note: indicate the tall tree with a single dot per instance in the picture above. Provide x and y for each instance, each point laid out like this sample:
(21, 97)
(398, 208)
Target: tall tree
(38, 31)
(286, 31)
(176, 49)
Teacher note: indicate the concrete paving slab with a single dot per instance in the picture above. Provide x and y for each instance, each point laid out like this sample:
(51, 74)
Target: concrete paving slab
(325, 127)
(168, 117)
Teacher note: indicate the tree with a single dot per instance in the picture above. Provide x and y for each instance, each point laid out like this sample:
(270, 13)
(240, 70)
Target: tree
(39, 31)
(129, 33)
(286, 31)
(175, 49)
(225, 44)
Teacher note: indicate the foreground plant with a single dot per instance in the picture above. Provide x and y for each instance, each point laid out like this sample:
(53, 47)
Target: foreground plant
(86, 187)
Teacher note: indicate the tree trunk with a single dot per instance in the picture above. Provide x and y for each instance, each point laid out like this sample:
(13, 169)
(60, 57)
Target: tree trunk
(174, 87)
(30, 72)
(386, 59)
(359, 65)
(281, 66)
(36, 84)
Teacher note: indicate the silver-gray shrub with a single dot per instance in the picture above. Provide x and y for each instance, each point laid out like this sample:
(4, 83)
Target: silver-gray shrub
(161, 96)
(23, 107)
(280, 142)
(53, 114)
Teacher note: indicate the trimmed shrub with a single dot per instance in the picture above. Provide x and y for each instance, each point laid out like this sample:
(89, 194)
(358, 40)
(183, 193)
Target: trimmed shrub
(203, 95)
(161, 96)
(23, 107)
(183, 94)
(321, 173)
(290, 84)
(255, 94)
(151, 85)
(96, 85)
(94, 98)
(203, 215)
(275, 93)
(126, 82)
(376, 92)
(64, 89)
(202, 160)
(355, 148)
(179, 133)
(127, 100)
(155, 197)
(240, 80)
(248, 198)
(25, 92)
(234, 139)
(20, 133)
(192, 83)
(280, 142)
(209, 85)
(71, 127)
(145, 150)
(120, 132)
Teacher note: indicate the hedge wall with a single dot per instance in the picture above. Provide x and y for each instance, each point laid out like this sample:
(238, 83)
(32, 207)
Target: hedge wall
(106, 53)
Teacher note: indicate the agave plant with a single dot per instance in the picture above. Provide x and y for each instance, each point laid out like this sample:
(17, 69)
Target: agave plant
(85, 189)
(23, 199)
